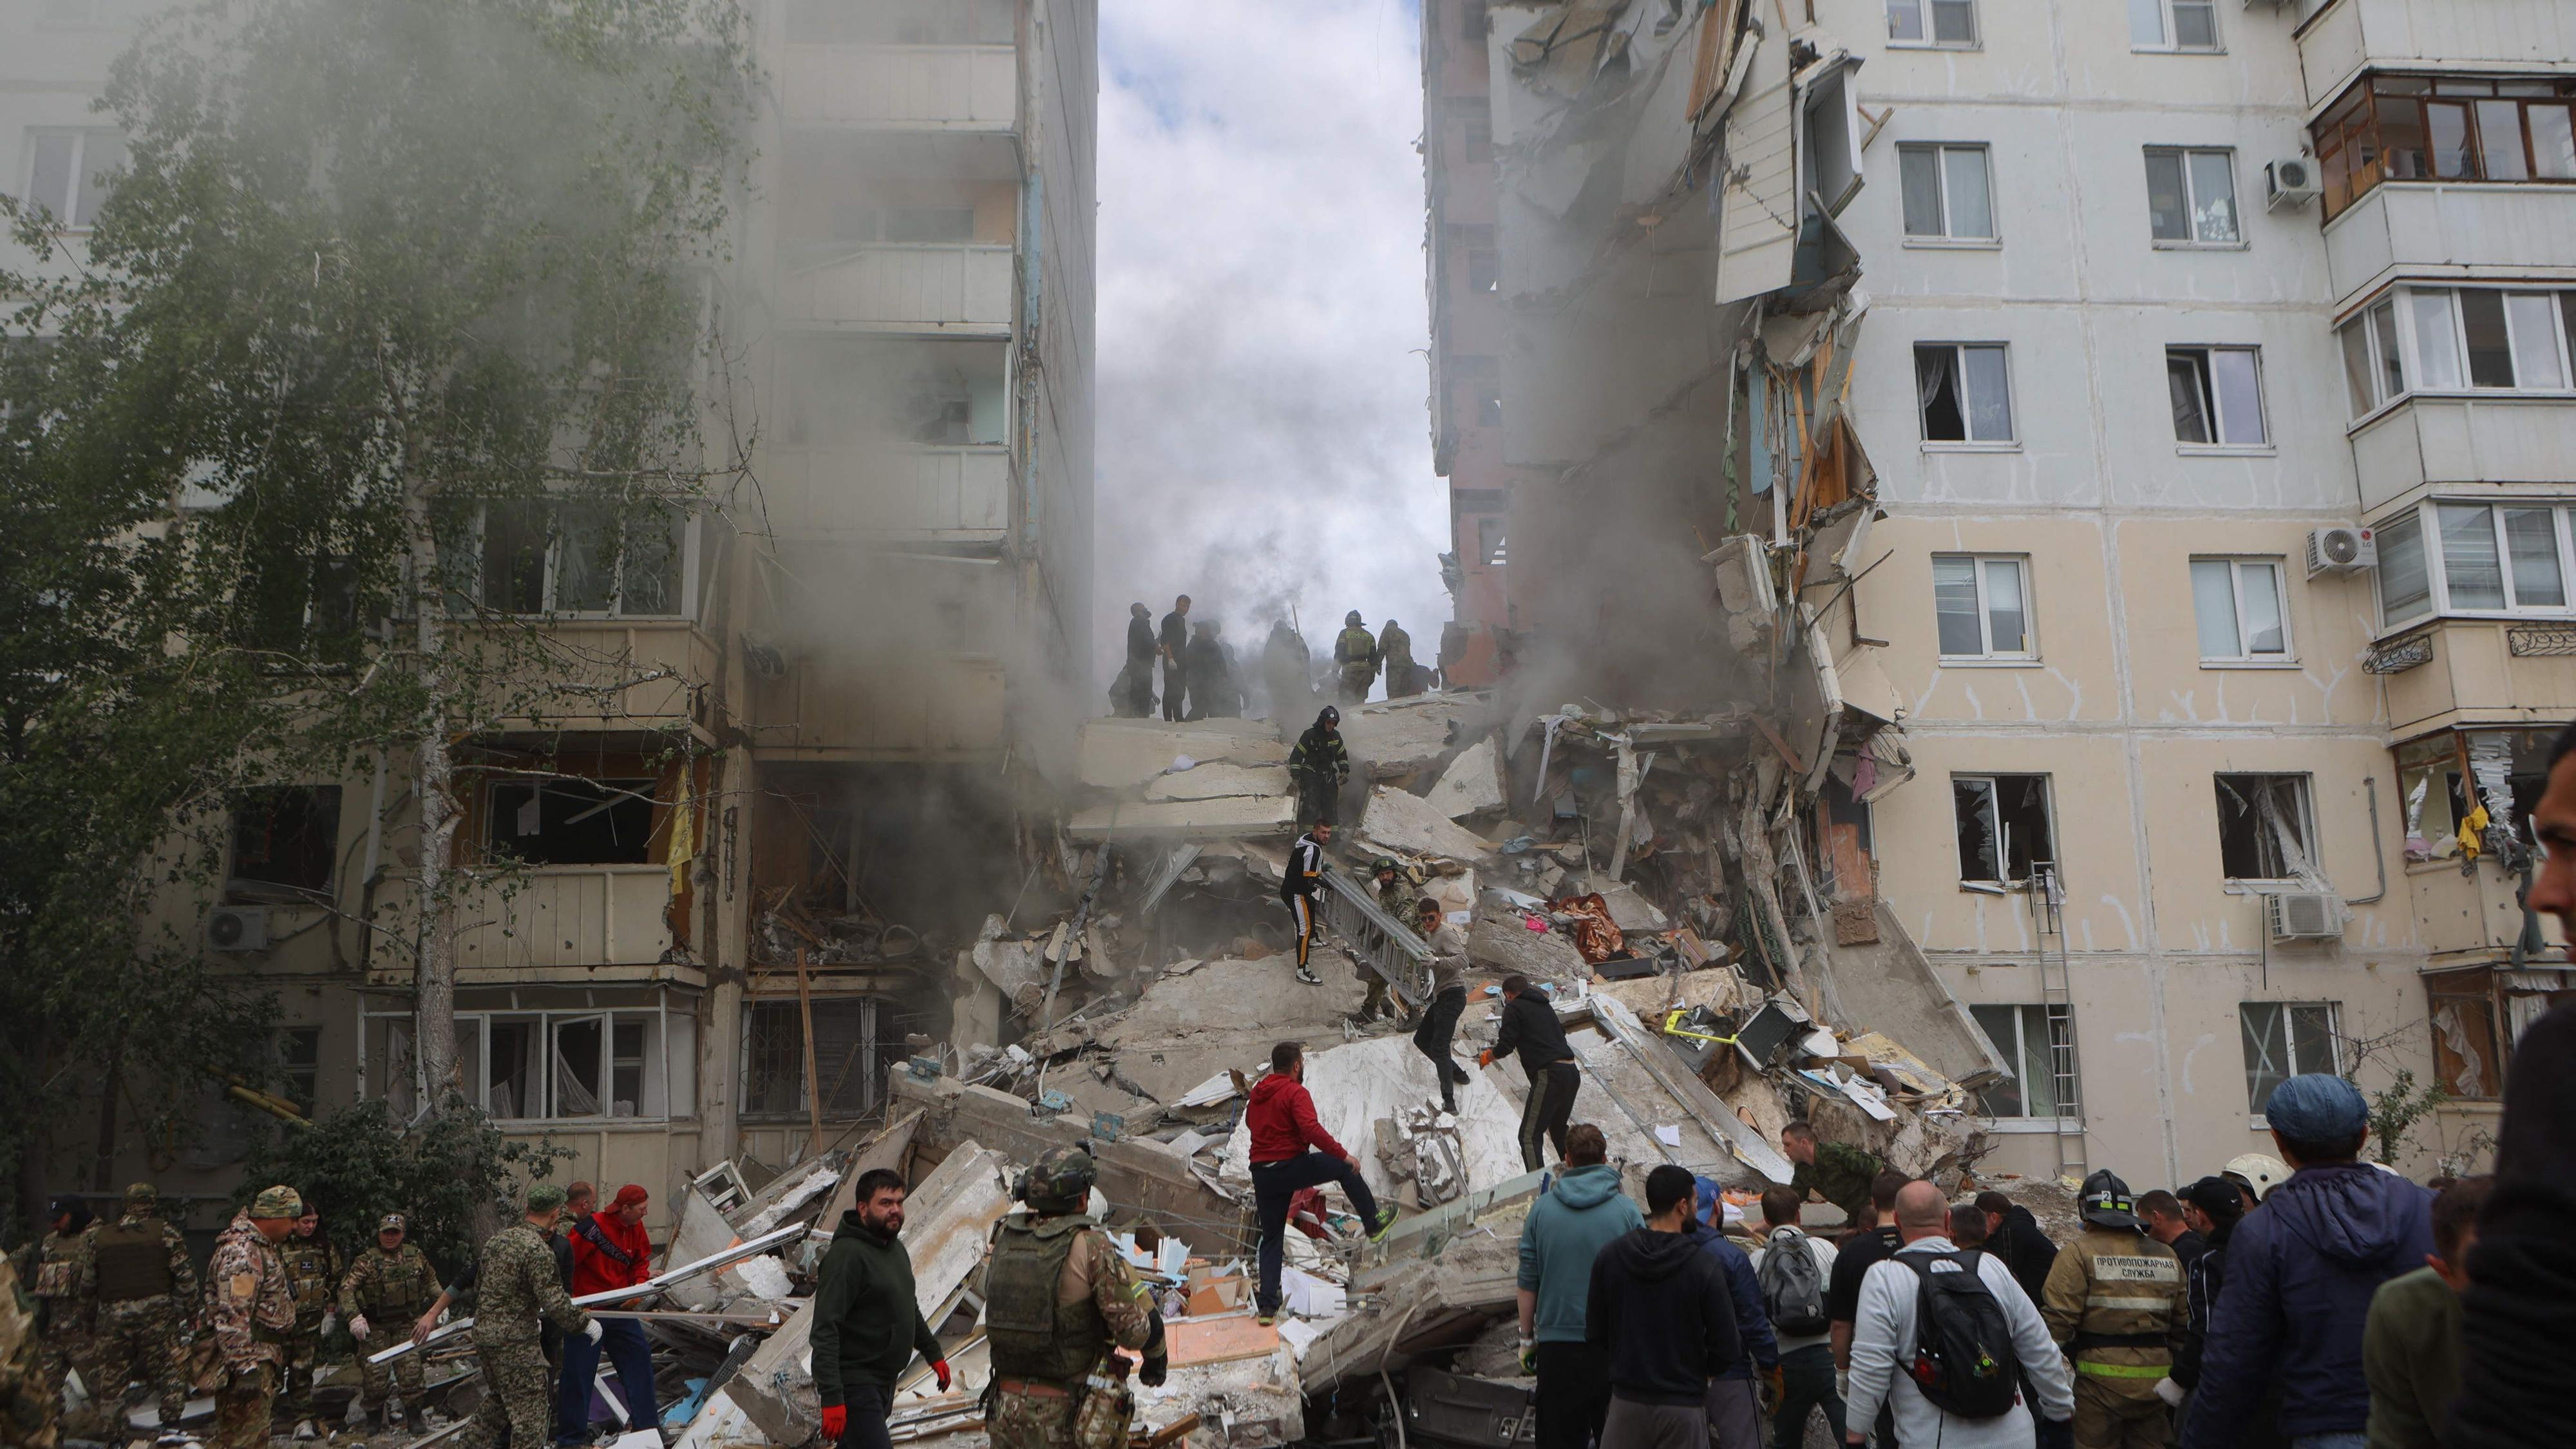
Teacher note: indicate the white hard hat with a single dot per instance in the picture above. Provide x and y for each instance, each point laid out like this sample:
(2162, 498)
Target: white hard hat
(2258, 1170)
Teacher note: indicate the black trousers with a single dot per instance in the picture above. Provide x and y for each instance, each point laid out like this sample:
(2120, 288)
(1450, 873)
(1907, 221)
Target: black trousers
(1176, 685)
(1319, 801)
(1274, 1183)
(1546, 1114)
(1432, 1038)
(1573, 1394)
(868, 1406)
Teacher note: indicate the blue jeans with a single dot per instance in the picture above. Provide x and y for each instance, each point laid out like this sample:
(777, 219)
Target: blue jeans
(623, 1341)
(1273, 1183)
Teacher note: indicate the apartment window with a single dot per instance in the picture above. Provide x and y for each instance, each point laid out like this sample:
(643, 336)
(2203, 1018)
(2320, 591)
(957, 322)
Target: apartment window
(2240, 608)
(1947, 195)
(285, 844)
(534, 1064)
(1490, 539)
(2264, 827)
(1479, 147)
(2033, 1040)
(1982, 606)
(539, 557)
(2284, 1039)
(855, 1038)
(299, 1066)
(2501, 558)
(1484, 269)
(2405, 577)
(2191, 197)
(2173, 24)
(2217, 395)
(2374, 366)
(2480, 337)
(1472, 21)
(2003, 826)
(71, 170)
(1933, 22)
(570, 822)
(1963, 392)
(2444, 128)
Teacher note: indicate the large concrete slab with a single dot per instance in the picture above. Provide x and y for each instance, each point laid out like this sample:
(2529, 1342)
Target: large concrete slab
(1889, 988)
(1401, 736)
(1234, 815)
(1472, 784)
(1407, 824)
(1218, 779)
(1122, 754)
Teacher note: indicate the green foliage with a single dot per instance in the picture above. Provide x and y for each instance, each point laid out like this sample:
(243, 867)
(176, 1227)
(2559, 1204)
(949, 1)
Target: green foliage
(2397, 1107)
(452, 1175)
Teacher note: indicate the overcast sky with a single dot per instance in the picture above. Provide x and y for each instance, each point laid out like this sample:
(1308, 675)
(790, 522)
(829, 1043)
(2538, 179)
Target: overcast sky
(1262, 434)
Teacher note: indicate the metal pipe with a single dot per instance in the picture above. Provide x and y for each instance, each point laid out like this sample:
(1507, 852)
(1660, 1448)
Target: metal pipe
(2378, 852)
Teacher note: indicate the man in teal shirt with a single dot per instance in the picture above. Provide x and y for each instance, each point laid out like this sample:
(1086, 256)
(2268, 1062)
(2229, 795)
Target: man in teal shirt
(1580, 1213)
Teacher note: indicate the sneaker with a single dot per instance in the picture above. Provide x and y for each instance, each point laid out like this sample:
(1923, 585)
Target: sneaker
(1309, 977)
(306, 1429)
(1267, 1318)
(1385, 1223)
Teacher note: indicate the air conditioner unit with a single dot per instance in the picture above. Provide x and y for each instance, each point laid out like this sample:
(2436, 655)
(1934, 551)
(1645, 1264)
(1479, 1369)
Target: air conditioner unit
(2306, 916)
(2290, 181)
(237, 928)
(2341, 551)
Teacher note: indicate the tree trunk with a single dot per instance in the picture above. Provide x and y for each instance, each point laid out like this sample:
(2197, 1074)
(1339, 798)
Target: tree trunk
(434, 944)
(102, 1173)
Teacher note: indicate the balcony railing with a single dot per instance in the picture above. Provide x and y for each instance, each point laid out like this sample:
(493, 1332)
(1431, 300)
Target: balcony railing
(960, 493)
(949, 287)
(2474, 671)
(903, 87)
(2445, 438)
(570, 915)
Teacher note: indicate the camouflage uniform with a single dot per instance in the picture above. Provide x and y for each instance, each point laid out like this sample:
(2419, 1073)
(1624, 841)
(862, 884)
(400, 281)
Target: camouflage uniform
(250, 1311)
(49, 1271)
(1841, 1175)
(141, 1288)
(27, 1396)
(312, 1270)
(390, 1290)
(516, 1286)
(1049, 1327)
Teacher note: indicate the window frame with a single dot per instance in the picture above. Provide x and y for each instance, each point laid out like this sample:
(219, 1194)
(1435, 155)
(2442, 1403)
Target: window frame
(1958, 350)
(2289, 1045)
(2204, 356)
(2057, 1033)
(2437, 569)
(615, 789)
(1925, 16)
(67, 219)
(1947, 238)
(2237, 565)
(2303, 787)
(2028, 654)
(319, 799)
(1991, 779)
(670, 1056)
(297, 1048)
(2395, 314)
(461, 559)
(880, 1018)
(2349, 137)
(2191, 201)
(2168, 30)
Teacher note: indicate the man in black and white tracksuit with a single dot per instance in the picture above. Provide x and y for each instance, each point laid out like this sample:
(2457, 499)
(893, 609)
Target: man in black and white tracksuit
(1299, 888)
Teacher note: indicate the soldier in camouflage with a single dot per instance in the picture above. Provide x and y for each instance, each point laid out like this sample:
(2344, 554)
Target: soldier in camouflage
(387, 1291)
(312, 1273)
(1838, 1172)
(26, 1399)
(141, 1289)
(1057, 1298)
(250, 1312)
(517, 1286)
(49, 1271)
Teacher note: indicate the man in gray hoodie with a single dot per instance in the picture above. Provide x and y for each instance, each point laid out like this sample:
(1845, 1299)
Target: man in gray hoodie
(1581, 1212)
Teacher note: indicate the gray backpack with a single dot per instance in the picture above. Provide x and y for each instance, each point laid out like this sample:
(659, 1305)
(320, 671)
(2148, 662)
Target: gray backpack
(1793, 1291)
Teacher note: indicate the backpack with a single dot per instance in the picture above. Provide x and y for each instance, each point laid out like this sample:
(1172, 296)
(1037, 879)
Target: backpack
(1793, 1291)
(1964, 1361)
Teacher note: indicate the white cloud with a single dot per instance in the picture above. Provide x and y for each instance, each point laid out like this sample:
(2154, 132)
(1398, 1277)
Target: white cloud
(1262, 433)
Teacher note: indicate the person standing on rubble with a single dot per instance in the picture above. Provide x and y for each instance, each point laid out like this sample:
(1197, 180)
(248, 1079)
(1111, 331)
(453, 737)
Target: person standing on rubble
(1835, 1171)
(2118, 1300)
(1320, 764)
(1299, 887)
(312, 1279)
(1395, 652)
(609, 1251)
(516, 1286)
(867, 1324)
(390, 1285)
(1131, 696)
(250, 1314)
(1355, 658)
(1447, 999)
(1058, 1299)
(1210, 667)
(1291, 1150)
(1174, 645)
(1530, 1028)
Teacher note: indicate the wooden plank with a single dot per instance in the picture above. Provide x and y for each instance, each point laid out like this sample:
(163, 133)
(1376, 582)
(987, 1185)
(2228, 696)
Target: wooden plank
(1217, 1340)
(813, 1083)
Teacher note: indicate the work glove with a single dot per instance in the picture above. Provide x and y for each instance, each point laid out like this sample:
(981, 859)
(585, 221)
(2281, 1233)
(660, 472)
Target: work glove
(1485, 1058)
(2170, 1393)
(2057, 1434)
(1157, 1368)
(358, 1327)
(940, 1368)
(1770, 1385)
(836, 1421)
(591, 1330)
(1529, 1356)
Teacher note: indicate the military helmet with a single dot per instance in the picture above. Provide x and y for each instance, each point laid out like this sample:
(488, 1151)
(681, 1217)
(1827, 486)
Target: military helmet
(1384, 864)
(1353, 619)
(1059, 1181)
(141, 1194)
(2107, 1203)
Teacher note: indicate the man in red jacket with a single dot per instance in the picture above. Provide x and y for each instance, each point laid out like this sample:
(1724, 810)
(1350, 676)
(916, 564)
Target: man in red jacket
(609, 1251)
(1282, 1118)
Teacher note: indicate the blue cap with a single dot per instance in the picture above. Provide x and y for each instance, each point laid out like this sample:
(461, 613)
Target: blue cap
(2317, 1107)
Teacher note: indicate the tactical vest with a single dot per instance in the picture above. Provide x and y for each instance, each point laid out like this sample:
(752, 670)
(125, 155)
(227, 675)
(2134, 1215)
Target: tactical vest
(57, 1268)
(399, 1284)
(308, 1276)
(133, 1261)
(1034, 1335)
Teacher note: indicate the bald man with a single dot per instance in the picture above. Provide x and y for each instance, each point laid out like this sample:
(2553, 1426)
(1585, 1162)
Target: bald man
(1886, 1321)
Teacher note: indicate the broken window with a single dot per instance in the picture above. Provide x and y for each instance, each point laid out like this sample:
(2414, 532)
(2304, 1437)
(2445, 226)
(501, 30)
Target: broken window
(2263, 828)
(285, 844)
(1962, 391)
(1489, 540)
(855, 1039)
(1484, 269)
(570, 822)
(71, 170)
(2038, 1044)
(1933, 22)
(2217, 396)
(299, 1066)
(2173, 24)
(2003, 826)
(536, 556)
(534, 1065)
(2191, 197)
(1981, 606)
(2463, 1018)
(2238, 601)
(2284, 1039)
(1946, 192)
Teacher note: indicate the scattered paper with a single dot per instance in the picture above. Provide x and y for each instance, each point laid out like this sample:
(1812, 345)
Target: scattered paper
(1669, 1136)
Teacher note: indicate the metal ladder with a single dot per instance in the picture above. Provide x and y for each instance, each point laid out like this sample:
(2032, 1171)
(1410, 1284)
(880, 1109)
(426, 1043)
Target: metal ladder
(2047, 898)
(1374, 938)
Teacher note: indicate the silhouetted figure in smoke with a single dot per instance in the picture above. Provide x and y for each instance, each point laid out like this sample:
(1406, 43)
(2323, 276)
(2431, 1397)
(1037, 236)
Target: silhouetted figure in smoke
(1132, 696)
(1288, 670)
(1395, 652)
(1175, 647)
(1210, 667)
(1355, 656)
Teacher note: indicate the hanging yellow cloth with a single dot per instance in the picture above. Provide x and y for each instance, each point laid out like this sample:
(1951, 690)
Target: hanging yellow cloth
(2473, 829)
(684, 845)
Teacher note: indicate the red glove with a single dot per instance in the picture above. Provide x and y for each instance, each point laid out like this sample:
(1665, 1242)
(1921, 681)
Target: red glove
(940, 1367)
(1485, 1058)
(836, 1421)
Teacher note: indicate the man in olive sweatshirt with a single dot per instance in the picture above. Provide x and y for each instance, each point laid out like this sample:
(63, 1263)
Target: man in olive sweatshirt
(2410, 1344)
(867, 1325)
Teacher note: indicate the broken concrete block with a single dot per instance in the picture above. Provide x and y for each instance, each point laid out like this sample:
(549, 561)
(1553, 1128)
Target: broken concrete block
(1473, 783)
(1229, 816)
(1356, 1085)
(1400, 736)
(1408, 825)
(1502, 941)
(1630, 911)
(948, 1217)
(1123, 754)
(1214, 780)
